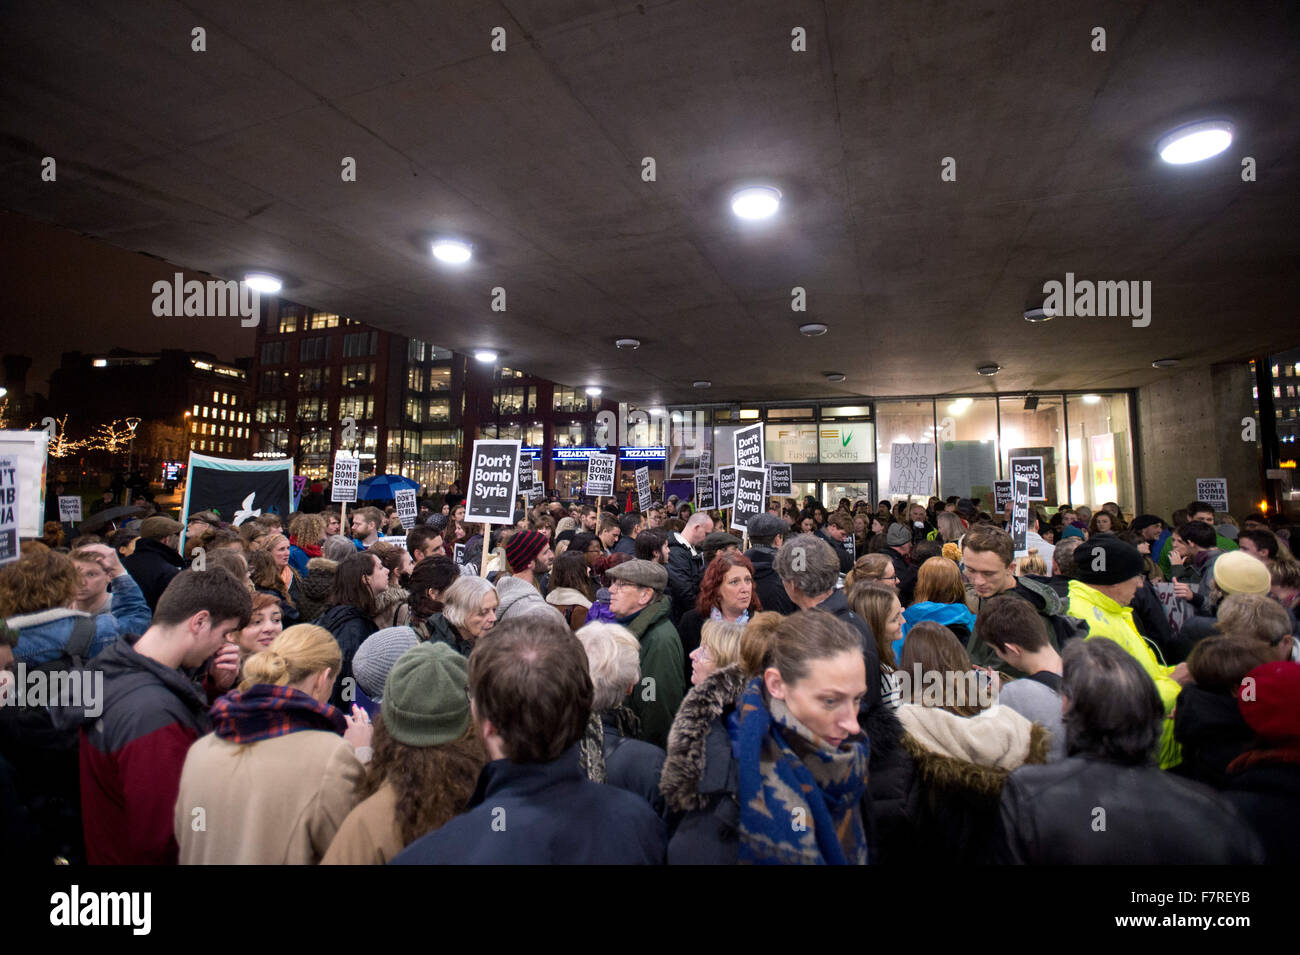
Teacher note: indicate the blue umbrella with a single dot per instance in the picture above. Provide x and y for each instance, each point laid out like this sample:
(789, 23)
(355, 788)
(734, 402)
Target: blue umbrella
(384, 487)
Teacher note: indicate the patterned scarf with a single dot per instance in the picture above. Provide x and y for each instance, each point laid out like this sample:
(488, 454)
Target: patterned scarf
(264, 711)
(799, 799)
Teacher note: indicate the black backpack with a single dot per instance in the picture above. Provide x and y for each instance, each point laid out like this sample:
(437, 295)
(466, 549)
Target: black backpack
(30, 727)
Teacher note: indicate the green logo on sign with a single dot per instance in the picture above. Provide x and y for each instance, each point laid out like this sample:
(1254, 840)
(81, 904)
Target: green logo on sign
(848, 437)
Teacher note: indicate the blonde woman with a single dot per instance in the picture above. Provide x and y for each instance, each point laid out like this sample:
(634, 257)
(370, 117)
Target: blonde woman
(719, 647)
(277, 777)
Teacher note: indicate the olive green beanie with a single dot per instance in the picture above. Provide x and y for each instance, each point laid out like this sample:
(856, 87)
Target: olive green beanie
(424, 696)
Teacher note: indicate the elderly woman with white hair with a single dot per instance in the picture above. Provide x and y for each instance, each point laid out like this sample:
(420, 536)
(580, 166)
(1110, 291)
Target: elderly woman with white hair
(614, 661)
(469, 611)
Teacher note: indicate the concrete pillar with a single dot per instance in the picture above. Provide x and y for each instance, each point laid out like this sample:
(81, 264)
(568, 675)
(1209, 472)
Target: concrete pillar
(1191, 427)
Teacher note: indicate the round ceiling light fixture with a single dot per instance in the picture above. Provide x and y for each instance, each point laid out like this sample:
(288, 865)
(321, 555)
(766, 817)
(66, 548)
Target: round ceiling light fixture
(834, 376)
(702, 383)
(1164, 363)
(812, 329)
(1039, 314)
(485, 355)
(263, 282)
(988, 370)
(452, 251)
(1195, 142)
(630, 344)
(756, 202)
(593, 391)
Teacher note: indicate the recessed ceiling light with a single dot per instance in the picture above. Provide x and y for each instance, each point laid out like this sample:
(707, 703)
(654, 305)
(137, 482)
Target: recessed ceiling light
(594, 391)
(1164, 363)
(1195, 142)
(812, 329)
(1039, 315)
(834, 376)
(485, 355)
(988, 370)
(756, 202)
(656, 411)
(959, 406)
(263, 282)
(702, 383)
(452, 251)
(1091, 399)
(632, 343)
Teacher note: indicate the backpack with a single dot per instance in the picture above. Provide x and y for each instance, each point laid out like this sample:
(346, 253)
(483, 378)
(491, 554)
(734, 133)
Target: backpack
(30, 726)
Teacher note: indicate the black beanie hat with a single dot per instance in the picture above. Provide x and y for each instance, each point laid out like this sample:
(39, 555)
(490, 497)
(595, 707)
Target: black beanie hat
(1107, 560)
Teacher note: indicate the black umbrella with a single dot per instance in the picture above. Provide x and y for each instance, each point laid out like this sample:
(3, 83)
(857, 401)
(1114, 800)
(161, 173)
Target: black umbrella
(98, 520)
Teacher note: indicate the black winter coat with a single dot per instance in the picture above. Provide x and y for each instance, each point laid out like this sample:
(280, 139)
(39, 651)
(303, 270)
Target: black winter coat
(1049, 816)
(684, 575)
(771, 592)
(906, 575)
(632, 764)
(1150, 619)
(845, 558)
(349, 626)
(153, 565)
(1266, 796)
(1212, 733)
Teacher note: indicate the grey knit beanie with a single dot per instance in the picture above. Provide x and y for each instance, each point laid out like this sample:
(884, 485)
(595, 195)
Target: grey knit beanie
(376, 656)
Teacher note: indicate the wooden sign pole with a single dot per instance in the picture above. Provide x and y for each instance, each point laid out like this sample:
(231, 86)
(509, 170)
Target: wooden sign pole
(487, 540)
(343, 517)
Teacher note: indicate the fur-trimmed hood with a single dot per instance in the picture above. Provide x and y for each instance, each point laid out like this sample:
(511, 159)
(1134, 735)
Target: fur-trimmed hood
(685, 765)
(974, 754)
(389, 599)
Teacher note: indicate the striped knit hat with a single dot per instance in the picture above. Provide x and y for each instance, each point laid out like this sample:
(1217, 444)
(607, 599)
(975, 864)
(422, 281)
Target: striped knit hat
(523, 547)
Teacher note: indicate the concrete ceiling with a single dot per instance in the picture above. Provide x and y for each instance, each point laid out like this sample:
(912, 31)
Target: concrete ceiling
(231, 158)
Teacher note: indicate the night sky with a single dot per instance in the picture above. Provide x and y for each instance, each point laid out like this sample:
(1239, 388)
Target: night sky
(60, 291)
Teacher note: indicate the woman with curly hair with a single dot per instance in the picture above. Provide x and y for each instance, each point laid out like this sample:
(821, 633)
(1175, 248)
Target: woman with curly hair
(306, 534)
(727, 593)
(426, 762)
(265, 573)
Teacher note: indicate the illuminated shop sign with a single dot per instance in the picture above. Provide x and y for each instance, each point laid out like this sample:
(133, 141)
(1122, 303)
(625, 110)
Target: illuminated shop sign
(628, 454)
(642, 454)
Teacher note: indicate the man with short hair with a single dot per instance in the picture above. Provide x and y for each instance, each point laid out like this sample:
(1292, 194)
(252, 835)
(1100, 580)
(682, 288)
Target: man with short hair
(637, 600)
(988, 562)
(1200, 512)
(587, 518)
(766, 535)
(1110, 573)
(154, 562)
(365, 526)
(686, 563)
(530, 702)
(1260, 544)
(607, 532)
(838, 530)
(652, 545)
(1151, 817)
(423, 541)
(1011, 627)
(654, 517)
(134, 740)
(629, 526)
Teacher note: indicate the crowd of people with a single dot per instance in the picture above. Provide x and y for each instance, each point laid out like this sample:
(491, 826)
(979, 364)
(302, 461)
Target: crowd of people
(888, 685)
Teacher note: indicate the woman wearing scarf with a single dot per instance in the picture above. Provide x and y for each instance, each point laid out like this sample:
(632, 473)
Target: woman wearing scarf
(306, 534)
(276, 778)
(777, 776)
(278, 576)
(727, 592)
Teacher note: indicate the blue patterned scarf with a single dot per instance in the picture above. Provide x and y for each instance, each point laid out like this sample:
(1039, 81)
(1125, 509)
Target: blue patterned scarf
(799, 799)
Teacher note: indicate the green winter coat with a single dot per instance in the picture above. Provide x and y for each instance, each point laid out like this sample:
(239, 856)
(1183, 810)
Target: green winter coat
(658, 694)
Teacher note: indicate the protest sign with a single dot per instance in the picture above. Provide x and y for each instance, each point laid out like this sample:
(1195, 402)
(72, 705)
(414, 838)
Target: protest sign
(1019, 515)
(526, 476)
(704, 499)
(706, 462)
(347, 474)
(600, 474)
(1031, 469)
(458, 554)
(1001, 496)
(779, 480)
(70, 508)
(1213, 491)
(749, 446)
(1175, 609)
(911, 469)
(9, 509)
(28, 453)
(750, 484)
(493, 483)
(643, 489)
(406, 507)
(727, 486)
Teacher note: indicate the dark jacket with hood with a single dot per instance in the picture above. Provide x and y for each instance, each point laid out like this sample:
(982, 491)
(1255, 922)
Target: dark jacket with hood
(349, 626)
(553, 815)
(845, 558)
(1210, 728)
(1152, 817)
(153, 565)
(441, 631)
(133, 747)
(905, 573)
(767, 583)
